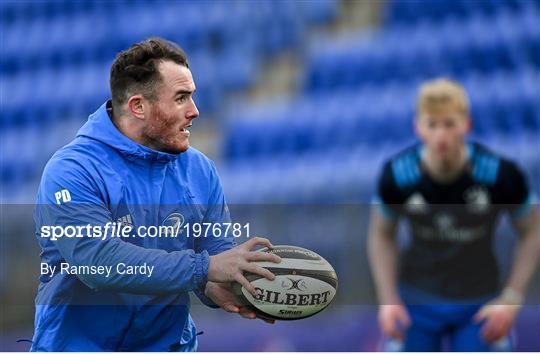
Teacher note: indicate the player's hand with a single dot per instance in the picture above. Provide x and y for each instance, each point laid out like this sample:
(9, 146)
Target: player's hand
(222, 295)
(394, 319)
(230, 265)
(498, 319)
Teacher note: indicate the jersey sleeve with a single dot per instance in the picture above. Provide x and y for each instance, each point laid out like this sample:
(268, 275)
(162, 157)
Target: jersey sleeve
(387, 197)
(70, 196)
(514, 194)
(217, 213)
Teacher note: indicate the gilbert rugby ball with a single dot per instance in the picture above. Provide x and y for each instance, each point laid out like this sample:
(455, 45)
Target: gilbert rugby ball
(305, 284)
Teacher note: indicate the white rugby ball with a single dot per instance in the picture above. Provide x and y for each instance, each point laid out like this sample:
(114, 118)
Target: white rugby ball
(305, 284)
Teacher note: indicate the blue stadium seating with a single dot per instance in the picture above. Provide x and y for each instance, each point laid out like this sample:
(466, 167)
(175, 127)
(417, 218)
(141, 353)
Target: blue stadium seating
(359, 96)
(448, 46)
(63, 38)
(56, 56)
(357, 101)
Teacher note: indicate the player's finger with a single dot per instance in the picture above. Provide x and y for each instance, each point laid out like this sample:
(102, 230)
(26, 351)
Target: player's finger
(404, 318)
(497, 334)
(255, 269)
(246, 310)
(481, 314)
(263, 256)
(267, 320)
(499, 328)
(395, 334)
(256, 241)
(505, 328)
(247, 313)
(489, 335)
(389, 328)
(246, 284)
(230, 308)
(490, 329)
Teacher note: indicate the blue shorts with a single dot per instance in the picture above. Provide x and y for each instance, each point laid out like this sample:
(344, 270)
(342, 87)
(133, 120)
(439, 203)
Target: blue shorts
(438, 324)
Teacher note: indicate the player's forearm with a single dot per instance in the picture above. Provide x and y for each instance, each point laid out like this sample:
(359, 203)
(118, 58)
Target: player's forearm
(383, 257)
(168, 272)
(526, 257)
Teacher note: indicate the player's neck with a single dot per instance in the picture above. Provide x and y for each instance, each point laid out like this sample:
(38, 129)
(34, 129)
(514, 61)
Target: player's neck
(129, 129)
(445, 171)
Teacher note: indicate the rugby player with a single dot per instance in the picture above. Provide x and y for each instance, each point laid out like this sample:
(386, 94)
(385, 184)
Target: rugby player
(131, 162)
(445, 285)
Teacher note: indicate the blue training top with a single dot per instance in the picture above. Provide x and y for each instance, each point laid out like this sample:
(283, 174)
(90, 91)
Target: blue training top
(102, 176)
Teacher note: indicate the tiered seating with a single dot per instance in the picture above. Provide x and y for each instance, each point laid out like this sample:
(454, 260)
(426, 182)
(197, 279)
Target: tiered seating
(377, 114)
(357, 105)
(506, 40)
(56, 56)
(410, 11)
(48, 42)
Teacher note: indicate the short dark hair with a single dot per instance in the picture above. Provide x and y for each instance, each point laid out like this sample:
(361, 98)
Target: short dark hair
(135, 70)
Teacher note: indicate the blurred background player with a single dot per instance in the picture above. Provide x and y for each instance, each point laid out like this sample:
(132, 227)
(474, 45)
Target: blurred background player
(446, 283)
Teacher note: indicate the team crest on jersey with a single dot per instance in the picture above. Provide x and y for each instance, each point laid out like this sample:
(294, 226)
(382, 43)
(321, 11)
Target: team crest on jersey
(444, 221)
(416, 204)
(174, 222)
(477, 199)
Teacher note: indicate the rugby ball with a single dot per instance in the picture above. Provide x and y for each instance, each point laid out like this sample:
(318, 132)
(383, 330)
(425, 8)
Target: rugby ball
(305, 284)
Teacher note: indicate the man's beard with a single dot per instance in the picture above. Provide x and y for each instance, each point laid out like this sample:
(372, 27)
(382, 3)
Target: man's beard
(160, 134)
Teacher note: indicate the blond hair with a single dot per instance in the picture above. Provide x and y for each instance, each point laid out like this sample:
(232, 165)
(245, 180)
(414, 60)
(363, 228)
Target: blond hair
(442, 94)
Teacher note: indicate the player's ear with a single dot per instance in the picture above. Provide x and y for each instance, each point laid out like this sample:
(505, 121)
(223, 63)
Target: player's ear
(136, 106)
